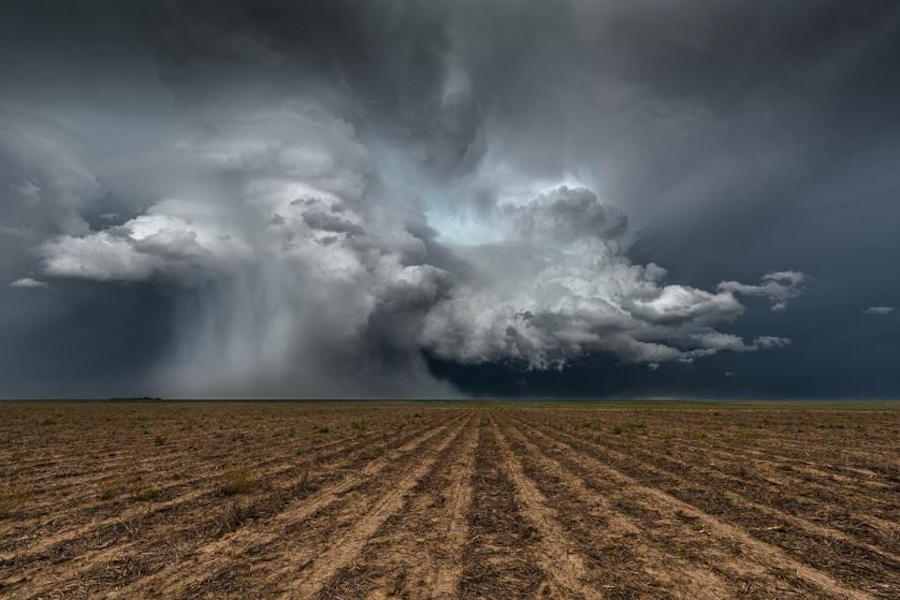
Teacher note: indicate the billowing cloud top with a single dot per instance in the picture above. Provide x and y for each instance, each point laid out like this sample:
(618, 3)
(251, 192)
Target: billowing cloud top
(351, 251)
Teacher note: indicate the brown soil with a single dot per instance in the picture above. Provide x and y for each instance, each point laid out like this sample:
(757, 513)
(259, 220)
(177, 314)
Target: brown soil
(441, 500)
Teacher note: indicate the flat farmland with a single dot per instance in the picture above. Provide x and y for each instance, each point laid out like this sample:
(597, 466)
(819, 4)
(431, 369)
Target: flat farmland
(449, 500)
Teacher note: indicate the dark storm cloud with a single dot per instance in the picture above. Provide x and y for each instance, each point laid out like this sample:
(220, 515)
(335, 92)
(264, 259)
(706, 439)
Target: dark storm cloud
(325, 192)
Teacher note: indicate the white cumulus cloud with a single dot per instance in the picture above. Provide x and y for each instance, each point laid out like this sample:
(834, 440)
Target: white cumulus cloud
(174, 237)
(27, 282)
(777, 287)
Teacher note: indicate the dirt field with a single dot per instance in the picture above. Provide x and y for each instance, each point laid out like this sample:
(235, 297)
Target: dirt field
(442, 501)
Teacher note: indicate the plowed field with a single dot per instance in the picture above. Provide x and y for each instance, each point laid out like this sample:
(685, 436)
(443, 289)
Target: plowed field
(294, 500)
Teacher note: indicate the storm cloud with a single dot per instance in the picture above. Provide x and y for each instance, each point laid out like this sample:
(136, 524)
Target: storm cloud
(343, 199)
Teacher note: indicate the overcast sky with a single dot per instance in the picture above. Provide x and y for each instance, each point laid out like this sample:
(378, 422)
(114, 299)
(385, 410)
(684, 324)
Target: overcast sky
(438, 199)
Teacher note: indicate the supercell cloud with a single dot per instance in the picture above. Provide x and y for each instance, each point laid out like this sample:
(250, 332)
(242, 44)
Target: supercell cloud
(332, 199)
(350, 250)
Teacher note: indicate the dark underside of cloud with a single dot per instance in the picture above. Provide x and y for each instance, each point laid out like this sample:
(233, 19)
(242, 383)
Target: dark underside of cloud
(377, 199)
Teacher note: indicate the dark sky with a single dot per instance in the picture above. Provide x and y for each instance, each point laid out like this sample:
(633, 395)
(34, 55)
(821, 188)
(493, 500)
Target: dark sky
(433, 199)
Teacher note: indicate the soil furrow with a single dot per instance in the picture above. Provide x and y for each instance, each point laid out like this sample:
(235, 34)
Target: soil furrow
(558, 554)
(306, 549)
(121, 494)
(416, 553)
(213, 559)
(216, 517)
(852, 563)
(168, 503)
(326, 568)
(719, 521)
(610, 500)
(663, 540)
(498, 558)
(786, 500)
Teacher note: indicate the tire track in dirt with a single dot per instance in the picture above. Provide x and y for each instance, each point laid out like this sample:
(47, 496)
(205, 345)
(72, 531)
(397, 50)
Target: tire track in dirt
(852, 563)
(133, 526)
(215, 559)
(667, 499)
(416, 553)
(498, 558)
